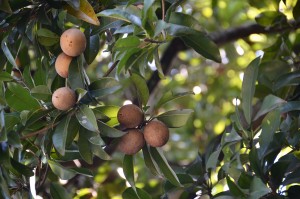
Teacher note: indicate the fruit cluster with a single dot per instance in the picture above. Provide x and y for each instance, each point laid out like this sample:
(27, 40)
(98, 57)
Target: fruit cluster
(72, 43)
(155, 133)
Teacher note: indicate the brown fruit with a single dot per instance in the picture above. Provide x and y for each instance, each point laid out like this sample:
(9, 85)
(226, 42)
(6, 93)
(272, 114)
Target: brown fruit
(131, 142)
(73, 42)
(64, 98)
(156, 133)
(130, 116)
(62, 64)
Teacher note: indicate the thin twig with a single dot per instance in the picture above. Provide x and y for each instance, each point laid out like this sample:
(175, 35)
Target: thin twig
(163, 9)
(111, 68)
(154, 41)
(43, 130)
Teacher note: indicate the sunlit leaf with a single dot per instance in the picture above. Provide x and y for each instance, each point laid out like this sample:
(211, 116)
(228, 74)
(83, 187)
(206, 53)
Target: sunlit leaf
(86, 118)
(175, 118)
(85, 12)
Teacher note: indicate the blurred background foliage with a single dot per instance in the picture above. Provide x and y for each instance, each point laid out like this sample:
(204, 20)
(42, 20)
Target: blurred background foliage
(216, 87)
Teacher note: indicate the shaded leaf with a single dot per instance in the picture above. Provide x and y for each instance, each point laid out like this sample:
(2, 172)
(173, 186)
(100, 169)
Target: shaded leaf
(76, 74)
(47, 37)
(258, 188)
(86, 118)
(108, 131)
(169, 96)
(121, 15)
(41, 92)
(270, 103)
(213, 160)
(248, 88)
(129, 193)
(59, 192)
(128, 170)
(60, 171)
(107, 23)
(150, 163)
(84, 145)
(175, 118)
(234, 189)
(141, 86)
(286, 79)
(104, 86)
(92, 48)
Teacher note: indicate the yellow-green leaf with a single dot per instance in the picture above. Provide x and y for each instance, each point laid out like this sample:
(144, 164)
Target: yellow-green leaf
(85, 12)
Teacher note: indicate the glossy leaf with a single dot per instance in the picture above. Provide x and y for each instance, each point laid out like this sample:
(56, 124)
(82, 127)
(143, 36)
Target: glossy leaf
(149, 161)
(128, 170)
(108, 131)
(62, 172)
(100, 152)
(183, 19)
(213, 160)
(60, 134)
(164, 166)
(141, 87)
(41, 92)
(175, 118)
(170, 96)
(126, 43)
(47, 37)
(7, 52)
(121, 15)
(86, 118)
(85, 12)
(92, 48)
(19, 98)
(59, 192)
(107, 23)
(270, 103)
(234, 189)
(76, 74)
(111, 112)
(84, 146)
(248, 88)
(286, 79)
(129, 193)
(103, 86)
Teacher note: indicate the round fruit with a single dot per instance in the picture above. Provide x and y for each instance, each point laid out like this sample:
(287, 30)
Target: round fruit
(130, 116)
(131, 142)
(73, 42)
(62, 64)
(156, 133)
(64, 98)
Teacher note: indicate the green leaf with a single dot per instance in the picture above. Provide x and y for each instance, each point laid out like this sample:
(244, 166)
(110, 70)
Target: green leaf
(76, 73)
(164, 166)
(234, 189)
(60, 134)
(245, 180)
(175, 118)
(296, 11)
(129, 193)
(269, 18)
(258, 189)
(47, 37)
(111, 112)
(290, 106)
(21, 168)
(5, 76)
(213, 160)
(107, 23)
(183, 19)
(108, 131)
(4, 154)
(270, 103)
(127, 43)
(61, 171)
(59, 192)
(86, 118)
(100, 152)
(158, 64)
(141, 86)
(5, 7)
(248, 88)
(125, 58)
(150, 163)
(104, 86)
(128, 170)
(4, 192)
(121, 15)
(286, 79)
(41, 92)
(19, 98)
(92, 48)
(7, 53)
(85, 12)
(84, 145)
(169, 96)
(270, 125)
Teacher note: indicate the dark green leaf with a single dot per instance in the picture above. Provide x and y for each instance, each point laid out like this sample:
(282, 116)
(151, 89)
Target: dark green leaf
(175, 118)
(4, 192)
(100, 152)
(269, 18)
(4, 154)
(150, 163)
(270, 103)
(286, 79)
(169, 96)
(183, 19)
(21, 168)
(60, 134)
(213, 160)
(245, 180)
(7, 52)
(61, 171)
(19, 98)
(126, 43)
(84, 145)
(86, 118)
(129, 193)
(141, 86)
(76, 74)
(107, 23)
(92, 48)
(164, 166)
(59, 192)
(296, 11)
(128, 170)
(4, 6)
(83, 171)
(234, 189)
(47, 37)
(258, 188)
(248, 88)
(125, 57)
(104, 86)
(108, 131)
(111, 112)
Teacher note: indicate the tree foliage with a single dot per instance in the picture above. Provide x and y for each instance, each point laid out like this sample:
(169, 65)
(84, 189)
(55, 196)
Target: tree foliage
(247, 148)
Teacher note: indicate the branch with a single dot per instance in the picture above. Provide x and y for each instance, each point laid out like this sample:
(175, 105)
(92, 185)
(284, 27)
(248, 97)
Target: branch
(220, 38)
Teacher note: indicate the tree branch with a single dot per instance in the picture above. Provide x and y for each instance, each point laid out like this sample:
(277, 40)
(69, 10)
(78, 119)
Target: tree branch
(220, 38)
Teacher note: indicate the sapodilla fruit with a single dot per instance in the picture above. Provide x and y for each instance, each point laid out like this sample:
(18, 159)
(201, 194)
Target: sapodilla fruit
(62, 64)
(73, 42)
(156, 133)
(131, 142)
(130, 116)
(64, 98)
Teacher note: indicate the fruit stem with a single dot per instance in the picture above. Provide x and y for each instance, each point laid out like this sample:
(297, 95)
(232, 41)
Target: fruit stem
(111, 68)
(43, 130)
